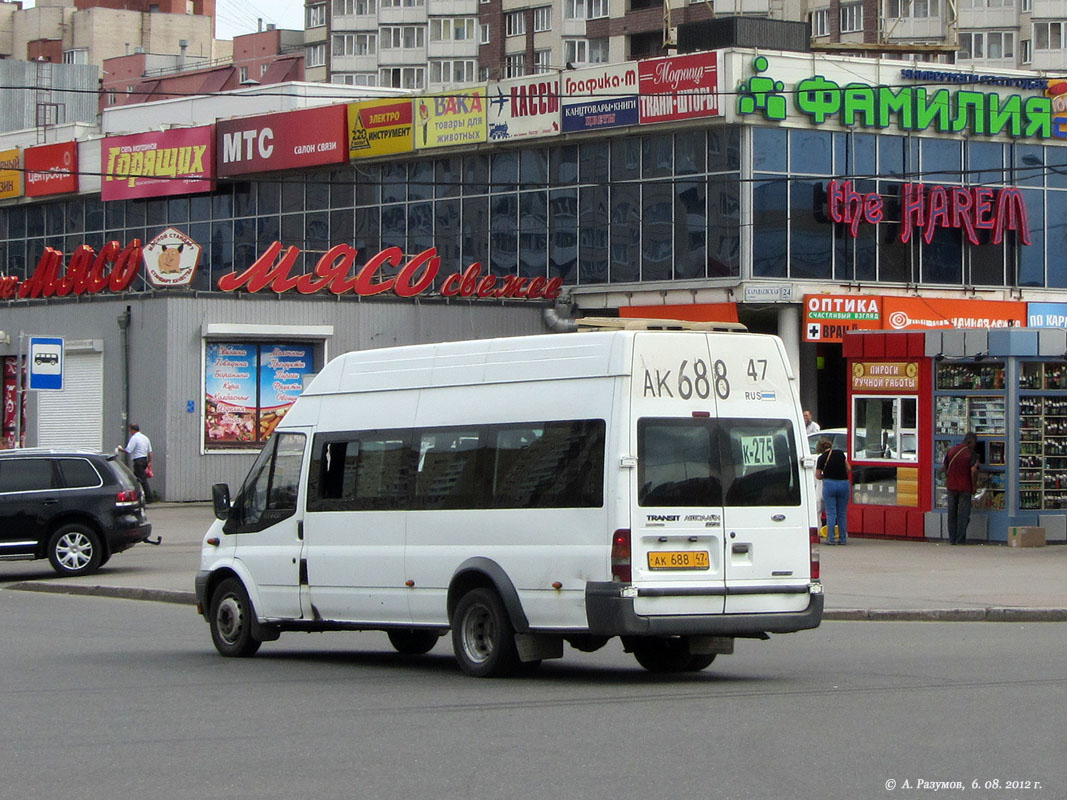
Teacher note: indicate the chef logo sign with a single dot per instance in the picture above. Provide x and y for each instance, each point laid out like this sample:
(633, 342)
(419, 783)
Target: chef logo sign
(827, 317)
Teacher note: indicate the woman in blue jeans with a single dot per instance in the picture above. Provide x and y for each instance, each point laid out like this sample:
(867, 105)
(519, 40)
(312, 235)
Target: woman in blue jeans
(833, 470)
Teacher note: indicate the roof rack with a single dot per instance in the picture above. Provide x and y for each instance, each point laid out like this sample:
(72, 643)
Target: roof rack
(638, 324)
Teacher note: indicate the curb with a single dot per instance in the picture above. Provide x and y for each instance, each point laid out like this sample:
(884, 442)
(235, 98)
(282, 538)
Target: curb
(990, 614)
(122, 592)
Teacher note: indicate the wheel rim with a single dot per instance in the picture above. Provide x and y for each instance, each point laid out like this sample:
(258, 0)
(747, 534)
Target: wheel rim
(479, 634)
(229, 619)
(74, 550)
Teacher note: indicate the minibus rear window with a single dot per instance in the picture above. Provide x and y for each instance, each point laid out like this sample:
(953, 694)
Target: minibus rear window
(716, 462)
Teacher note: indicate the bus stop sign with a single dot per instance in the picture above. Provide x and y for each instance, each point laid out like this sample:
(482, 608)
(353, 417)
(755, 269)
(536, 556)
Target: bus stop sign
(46, 363)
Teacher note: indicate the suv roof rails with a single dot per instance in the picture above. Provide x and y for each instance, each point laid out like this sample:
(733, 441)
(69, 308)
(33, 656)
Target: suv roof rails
(638, 324)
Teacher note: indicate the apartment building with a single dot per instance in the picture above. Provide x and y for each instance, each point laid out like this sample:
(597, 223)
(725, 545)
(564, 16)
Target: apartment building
(89, 31)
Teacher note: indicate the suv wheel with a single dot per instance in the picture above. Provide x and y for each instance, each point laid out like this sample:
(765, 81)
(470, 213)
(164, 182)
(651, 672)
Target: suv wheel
(75, 550)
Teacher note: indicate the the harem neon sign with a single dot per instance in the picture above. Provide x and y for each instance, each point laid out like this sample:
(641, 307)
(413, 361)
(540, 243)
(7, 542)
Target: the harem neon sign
(114, 268)
(926, 209)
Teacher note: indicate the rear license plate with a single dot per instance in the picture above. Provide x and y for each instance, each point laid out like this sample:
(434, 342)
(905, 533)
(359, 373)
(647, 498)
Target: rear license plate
(683, 559)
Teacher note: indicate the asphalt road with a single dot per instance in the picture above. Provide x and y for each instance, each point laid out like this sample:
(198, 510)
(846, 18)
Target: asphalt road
(110, 698)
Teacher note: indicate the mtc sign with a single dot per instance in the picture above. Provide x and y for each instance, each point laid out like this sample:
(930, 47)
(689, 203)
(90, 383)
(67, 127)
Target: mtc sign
(310, 137)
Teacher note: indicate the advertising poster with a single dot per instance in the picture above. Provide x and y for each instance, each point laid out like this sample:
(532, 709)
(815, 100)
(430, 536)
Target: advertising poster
(453, 118)
(51, 169)
(679, 87)
(158, 163)
(10, 174)
(909, 313)
(1046, 315)
(599, 97)
(524, 107)
(230, 405)
(828, 317)
(281, 380)
(310, 137)
(380, 127)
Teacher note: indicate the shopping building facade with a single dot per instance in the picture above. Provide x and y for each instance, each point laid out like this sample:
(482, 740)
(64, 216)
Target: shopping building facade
(802, 195)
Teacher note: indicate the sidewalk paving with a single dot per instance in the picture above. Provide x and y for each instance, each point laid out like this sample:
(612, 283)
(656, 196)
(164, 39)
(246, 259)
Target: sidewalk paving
(869, 579)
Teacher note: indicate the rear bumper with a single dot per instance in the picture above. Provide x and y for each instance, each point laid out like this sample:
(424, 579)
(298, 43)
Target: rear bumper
(611, 614)
(129, 530)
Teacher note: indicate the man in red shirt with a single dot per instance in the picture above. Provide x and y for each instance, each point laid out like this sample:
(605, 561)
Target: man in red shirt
(961, 466)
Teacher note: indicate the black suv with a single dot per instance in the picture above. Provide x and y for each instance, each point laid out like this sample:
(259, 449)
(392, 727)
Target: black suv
(75, 508)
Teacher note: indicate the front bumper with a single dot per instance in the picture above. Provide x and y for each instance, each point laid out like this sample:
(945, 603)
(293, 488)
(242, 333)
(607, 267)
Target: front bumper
(609, 613)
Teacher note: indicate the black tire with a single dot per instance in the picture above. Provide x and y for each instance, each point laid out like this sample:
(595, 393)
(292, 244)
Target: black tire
(699, 662)
(663, 655)
(75, 549)
(231, 618)
(482, 635)
(413, 642)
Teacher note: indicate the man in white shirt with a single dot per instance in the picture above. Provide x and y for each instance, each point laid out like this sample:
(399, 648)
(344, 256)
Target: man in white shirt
(139, 449)
(810, 425)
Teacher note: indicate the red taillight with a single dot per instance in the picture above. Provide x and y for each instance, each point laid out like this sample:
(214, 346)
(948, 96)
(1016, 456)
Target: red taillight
(620, 556)
(813, 551)
(127, 496)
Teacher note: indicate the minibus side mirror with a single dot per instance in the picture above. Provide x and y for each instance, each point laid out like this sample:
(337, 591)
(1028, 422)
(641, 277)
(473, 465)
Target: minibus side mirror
(220, 496)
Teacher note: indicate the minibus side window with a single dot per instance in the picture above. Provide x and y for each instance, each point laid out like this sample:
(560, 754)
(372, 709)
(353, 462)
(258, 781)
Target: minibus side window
(548, 465)
(677, 463)
(366, 471)
(268, 495)
(448, 471)
(759, 463)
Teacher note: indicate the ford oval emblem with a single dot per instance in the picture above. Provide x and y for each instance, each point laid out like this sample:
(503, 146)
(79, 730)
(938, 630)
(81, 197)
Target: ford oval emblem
(778, 517)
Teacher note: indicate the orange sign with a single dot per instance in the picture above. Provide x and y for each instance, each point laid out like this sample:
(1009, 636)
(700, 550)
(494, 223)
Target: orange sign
(828, 317)
(911, 313)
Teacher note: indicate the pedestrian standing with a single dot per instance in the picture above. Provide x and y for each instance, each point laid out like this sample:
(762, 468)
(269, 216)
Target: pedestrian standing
(810, 425)
(139, 449)
(961, 467)
(832, 468)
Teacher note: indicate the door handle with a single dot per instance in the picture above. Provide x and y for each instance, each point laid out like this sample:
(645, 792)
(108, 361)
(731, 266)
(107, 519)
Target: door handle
(49, 502)
(739, 549)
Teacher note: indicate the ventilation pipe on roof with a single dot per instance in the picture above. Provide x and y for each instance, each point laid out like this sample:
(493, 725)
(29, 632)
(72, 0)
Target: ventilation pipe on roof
(559, 317)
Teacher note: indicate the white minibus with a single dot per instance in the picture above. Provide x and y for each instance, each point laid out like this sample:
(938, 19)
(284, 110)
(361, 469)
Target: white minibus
(528, 492)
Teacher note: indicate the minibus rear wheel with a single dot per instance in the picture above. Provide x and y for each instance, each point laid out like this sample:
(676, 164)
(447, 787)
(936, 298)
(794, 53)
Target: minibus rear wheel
(231, 620)
(483, 637)
(413, 642)
(665, 655)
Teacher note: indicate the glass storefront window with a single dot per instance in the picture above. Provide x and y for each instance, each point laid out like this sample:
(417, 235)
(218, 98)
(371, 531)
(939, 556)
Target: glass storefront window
(884, 428)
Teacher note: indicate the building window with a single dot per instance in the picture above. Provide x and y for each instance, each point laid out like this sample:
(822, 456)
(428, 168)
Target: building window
(342, 8)
(1026, 52)
(1026, 5)
(355, 44)
(598, 51)
(515, 23)
(462, 71)
(575, 9)
(820, 22)
(575, 51)
(402, 36)
(988, 3)
(515, 65)
(316, 15)
(598, 9)
(79, 56)
(1048, 36)
(851, 18)
(916, 9)
(485, 34)
(403, 77)
(542, 60)
(316, 55)
(448, 29)
(987, 45)
(355, 78)
(542, 19)
(243, 74)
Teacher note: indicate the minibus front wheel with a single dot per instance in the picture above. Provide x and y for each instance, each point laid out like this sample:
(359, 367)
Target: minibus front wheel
(231, 620)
